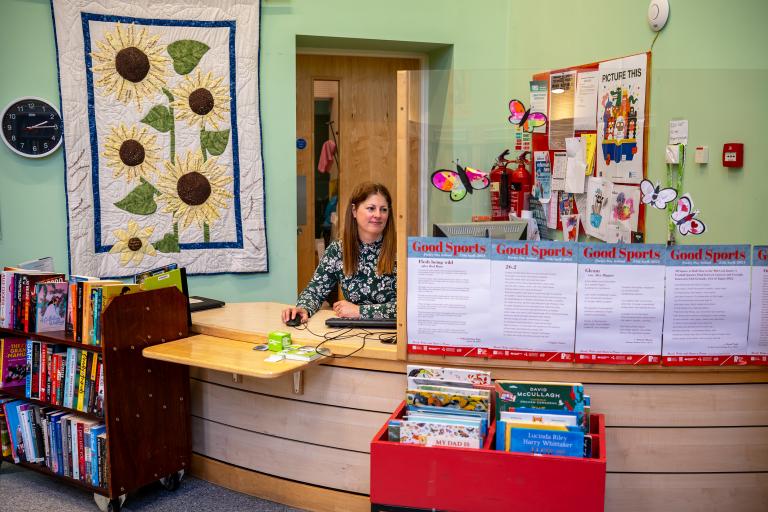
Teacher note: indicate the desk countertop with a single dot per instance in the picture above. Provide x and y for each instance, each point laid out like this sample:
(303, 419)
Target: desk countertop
(253, 321)
(227, 336)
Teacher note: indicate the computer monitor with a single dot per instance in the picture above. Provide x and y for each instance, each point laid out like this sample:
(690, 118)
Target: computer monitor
(505, 230)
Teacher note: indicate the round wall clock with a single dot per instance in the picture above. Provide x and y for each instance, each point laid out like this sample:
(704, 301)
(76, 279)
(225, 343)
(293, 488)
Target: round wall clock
(31, 127)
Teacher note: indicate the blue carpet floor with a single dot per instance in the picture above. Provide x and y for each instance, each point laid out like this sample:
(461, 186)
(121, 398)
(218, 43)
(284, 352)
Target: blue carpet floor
(22, 490)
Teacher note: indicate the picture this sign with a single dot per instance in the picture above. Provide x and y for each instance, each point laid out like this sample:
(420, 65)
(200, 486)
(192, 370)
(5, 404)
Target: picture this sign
(622, 89)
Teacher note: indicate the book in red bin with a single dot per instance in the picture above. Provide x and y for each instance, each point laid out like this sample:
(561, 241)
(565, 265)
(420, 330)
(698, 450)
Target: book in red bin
(13, 362)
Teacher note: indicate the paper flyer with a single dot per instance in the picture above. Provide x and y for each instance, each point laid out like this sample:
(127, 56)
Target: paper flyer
(757, 346)
(561, 96)
(625, 206)
(590, 140)
(559, 169)
(621, 118)
(539, 93)
(448, 299)
(543, 188)
(570, 226)
(621, 303)
(576, 164)
(595, 215)
(585, 105)
(706, 311)
(534, 306)
(551, 210)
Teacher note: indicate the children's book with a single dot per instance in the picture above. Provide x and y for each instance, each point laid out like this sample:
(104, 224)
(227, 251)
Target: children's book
(51, 306)
(511, 395)
(538, 441)
(474, 377)
(438, 434)
(13, 362)
(449, 400)
(539, 417)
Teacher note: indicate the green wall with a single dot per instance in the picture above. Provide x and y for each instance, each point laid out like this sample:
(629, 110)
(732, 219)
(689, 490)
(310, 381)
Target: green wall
(709, 66)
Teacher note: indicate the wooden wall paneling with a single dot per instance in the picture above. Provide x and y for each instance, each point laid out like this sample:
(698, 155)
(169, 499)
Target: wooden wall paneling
(742, 492)
(327, 385)
(305, 162)
(337, 427)
(687, 450)
(294, 460)
(294, 494)
(681, 405)
(402, 213)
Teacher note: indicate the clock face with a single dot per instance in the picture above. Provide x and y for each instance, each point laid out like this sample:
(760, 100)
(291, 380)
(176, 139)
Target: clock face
(31, 127)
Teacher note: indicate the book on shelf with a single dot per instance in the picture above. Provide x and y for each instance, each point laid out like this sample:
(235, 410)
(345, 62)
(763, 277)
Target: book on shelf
(51, 306)
(13, 362)
(141, 276)
(18, 450)
(540, 440)
(72, 296)
(5, 439)
(44, 264)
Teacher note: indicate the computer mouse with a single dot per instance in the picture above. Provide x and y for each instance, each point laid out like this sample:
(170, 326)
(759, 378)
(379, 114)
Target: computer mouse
(293, 322)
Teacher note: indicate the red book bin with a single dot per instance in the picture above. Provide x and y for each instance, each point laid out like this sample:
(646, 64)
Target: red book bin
(407, 476)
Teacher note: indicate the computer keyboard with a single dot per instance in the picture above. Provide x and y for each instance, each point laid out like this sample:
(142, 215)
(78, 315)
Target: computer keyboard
(362, 323)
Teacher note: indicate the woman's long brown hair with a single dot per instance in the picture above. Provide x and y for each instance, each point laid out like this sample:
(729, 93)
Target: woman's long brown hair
(351, 238)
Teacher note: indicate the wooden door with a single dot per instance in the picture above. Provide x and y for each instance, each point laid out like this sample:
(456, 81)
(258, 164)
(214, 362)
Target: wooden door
(366, 132)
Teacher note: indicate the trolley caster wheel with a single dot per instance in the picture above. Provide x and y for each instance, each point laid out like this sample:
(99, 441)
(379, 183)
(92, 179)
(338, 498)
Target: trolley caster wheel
(172, 481)
(109, 505)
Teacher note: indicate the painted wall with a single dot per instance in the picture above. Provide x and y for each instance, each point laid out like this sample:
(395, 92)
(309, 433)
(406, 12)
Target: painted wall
(32, 198)
(709, 67)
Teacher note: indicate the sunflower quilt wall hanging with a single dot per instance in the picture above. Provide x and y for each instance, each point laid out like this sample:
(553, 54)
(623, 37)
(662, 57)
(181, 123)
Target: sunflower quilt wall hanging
(160, 102)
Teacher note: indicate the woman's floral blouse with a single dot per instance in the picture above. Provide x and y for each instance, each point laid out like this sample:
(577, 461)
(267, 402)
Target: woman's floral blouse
(376, 295)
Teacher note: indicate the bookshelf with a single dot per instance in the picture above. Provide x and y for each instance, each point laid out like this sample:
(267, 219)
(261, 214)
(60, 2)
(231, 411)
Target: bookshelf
(146, 402)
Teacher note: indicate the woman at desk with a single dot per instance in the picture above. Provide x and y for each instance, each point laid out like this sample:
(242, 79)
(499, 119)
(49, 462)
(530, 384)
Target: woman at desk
(363, 262)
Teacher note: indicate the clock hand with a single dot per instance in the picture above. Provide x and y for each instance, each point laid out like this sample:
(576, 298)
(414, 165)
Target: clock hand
(38, 125)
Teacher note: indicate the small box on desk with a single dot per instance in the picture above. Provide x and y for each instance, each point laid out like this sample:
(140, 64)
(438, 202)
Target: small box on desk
(462, 479)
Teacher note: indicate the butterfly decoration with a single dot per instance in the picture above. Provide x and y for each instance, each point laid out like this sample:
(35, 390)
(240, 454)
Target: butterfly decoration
(524, 118)
(460, 182)
(657, 196)
(685, 219)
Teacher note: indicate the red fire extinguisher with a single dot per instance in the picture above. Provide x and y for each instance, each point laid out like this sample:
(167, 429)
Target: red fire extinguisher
(520, 187)
(500, 180)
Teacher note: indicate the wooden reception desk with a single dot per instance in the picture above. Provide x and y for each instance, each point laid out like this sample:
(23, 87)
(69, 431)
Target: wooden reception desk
(682, 439)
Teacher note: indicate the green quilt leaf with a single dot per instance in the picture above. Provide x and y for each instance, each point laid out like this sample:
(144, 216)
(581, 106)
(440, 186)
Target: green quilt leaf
(140, 201)
(159, 118)
(214, 142)
(169, 243)
(186, 54)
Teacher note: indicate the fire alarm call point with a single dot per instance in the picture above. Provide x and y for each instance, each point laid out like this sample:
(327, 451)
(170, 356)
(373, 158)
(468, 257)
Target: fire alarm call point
(733, 154)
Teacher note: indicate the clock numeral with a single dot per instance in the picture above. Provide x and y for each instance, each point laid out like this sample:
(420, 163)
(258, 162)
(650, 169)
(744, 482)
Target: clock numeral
(8, 126)
(52, 116)
(20, 108)
(53, 138)
(13, 116)
(13, 138)
(21, 144)
(31, 105)
(34, 148)
(45, 145)
(55, 127)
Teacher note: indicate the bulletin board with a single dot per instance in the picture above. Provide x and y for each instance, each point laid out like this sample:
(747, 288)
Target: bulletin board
(621, 129)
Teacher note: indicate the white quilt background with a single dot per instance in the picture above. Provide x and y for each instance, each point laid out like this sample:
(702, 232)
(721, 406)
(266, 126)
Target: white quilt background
(160, 104)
